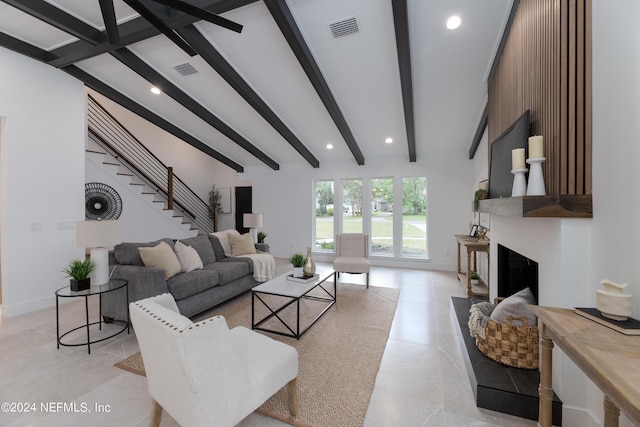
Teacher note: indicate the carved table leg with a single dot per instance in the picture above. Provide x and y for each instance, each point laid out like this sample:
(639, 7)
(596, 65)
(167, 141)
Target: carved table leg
(611, 413)
(545, 390)
(469, 291)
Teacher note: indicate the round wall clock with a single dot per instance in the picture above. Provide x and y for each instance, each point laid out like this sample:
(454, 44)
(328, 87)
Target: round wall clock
(101, 201)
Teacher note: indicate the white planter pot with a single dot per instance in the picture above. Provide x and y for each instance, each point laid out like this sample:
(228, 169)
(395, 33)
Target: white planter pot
(298, 272)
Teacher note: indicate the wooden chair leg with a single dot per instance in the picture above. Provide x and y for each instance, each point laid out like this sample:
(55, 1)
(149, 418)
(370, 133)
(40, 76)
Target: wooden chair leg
(157, 414)
(367, 280)
(292, 391)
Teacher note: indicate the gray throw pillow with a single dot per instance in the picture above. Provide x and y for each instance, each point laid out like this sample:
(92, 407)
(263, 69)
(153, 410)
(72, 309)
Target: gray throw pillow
(516, 305)
(202, 245)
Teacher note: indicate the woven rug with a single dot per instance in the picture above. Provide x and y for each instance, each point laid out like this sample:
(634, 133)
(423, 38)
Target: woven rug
(339, 356)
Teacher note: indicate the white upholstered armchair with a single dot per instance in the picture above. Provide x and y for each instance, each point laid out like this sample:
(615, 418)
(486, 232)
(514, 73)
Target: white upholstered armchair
(204, 374)
(352, 254)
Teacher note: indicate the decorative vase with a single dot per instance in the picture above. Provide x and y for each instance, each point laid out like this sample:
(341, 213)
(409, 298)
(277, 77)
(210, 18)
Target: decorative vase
(309, 267)
(80, 285)
(297, 272)
(612, 302)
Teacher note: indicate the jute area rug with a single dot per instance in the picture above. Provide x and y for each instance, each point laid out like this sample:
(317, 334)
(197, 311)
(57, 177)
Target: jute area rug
(339, 356)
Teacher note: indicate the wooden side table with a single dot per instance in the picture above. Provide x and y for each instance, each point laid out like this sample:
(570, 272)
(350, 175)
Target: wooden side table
(607, 357)
(473, 245)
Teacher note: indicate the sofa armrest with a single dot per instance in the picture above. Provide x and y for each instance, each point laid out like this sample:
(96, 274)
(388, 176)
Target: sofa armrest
(143, 282)
(262, 247)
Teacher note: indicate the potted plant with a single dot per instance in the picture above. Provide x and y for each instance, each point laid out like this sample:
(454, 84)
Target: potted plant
(297, 260)
(475, 278)
(215, 206)
(479, 195)
(261, 236)
(78, 272)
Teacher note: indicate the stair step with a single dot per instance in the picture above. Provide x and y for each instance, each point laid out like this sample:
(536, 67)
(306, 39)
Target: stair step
(137, 183)
(96, 151)
(124, 174)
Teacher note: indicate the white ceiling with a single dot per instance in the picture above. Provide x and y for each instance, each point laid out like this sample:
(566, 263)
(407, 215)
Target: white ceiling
(449, 70)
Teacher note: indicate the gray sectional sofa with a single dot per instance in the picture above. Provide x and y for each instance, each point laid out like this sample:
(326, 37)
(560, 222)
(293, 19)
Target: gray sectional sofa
(220, 279)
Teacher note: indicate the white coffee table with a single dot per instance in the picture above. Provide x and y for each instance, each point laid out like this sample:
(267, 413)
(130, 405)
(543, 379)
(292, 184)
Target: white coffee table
(291, 292)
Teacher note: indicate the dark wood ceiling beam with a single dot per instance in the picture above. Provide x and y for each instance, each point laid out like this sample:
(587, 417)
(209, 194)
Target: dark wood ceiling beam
(110, 21)
(287, 24)
(482, 125)
(203, 14)
(131, 105)
(23, 48)
(401, 24)
(222, 67)
(143, 69)
(134, 31)
(159, 23)
(62, 20)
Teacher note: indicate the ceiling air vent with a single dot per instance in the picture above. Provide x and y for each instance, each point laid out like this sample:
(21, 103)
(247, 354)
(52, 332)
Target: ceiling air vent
(344, 27)
(185, 69)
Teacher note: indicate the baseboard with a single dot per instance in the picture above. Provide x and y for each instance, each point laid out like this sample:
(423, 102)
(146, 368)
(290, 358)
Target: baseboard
(7, 311)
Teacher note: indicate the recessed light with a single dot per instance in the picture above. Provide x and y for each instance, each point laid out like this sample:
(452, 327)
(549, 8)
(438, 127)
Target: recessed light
(329, 146)
(388, 140)
(453, 22)
(155, 90)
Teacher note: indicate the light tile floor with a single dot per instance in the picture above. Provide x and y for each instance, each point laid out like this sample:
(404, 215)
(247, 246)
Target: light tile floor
(422, 379)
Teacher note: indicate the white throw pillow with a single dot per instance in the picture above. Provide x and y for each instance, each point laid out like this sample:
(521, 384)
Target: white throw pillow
(188, 257)
(161, 256)
(223, 237)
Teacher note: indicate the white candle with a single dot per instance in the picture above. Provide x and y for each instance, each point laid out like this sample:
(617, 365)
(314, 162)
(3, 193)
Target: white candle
(536, 147)
(517, 159)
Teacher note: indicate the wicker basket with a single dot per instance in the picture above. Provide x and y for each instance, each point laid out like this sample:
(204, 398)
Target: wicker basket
(514, 343)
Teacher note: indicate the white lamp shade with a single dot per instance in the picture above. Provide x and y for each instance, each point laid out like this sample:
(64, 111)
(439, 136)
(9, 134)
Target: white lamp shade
(252, 220)
(97, 234)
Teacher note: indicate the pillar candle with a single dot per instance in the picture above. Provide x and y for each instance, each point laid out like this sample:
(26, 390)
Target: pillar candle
(536, 147)
(517, 159)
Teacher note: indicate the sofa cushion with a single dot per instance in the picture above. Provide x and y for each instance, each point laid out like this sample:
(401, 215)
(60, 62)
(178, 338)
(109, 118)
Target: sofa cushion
(203, 246)
(184, 285)
(161, 256)
(127, 253)
(230, 269)
(218, 250)
(242, 245)
(516, 305)
(188, 257)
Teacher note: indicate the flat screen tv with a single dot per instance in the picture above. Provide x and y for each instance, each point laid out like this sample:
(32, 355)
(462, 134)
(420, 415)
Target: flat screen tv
(500, 176)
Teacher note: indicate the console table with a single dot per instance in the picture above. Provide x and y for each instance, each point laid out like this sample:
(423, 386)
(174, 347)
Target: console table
(473, 245)
(607, 357)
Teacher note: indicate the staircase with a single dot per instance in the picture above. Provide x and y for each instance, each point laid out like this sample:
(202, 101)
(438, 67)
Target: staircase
(118, 150)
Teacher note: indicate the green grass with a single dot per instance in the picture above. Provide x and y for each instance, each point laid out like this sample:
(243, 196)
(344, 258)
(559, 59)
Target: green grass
(382, 226)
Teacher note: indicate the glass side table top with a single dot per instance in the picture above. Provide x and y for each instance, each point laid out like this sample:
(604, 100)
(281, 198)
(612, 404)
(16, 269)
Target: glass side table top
(112, 285)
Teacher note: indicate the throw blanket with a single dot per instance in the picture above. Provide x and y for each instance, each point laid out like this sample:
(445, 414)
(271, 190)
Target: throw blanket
(264, 266)
(479, 317)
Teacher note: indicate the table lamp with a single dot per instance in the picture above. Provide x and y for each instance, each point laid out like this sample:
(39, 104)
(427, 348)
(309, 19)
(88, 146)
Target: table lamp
(96, 235)
(252, 221)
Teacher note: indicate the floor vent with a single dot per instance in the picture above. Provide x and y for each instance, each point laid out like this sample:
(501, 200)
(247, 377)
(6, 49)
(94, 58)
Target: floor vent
(185, 69)
(344, 27)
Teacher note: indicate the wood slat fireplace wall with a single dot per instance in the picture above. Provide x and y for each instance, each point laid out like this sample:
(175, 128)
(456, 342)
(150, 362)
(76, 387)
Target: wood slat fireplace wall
(545, 66)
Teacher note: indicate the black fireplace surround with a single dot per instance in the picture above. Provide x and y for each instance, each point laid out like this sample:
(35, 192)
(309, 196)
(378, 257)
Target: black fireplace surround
(515, 273)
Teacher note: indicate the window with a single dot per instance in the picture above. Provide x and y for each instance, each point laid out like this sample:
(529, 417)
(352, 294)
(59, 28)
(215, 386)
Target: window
(382, 216)
(352, 206)
(414, 217)
(324, 210)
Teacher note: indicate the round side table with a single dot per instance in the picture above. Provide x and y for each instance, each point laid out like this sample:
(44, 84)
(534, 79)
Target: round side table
(66, 292)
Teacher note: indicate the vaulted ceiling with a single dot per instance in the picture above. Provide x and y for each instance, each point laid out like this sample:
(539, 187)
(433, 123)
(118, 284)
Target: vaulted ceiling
(300, 75)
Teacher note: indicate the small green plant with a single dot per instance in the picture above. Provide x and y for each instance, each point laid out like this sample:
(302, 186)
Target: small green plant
(475, 276)
(297, 259)
(261, 236)
(79, 269)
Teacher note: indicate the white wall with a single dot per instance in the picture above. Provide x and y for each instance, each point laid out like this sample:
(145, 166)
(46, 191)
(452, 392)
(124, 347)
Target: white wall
(200, 172)
(286, 200)
(141, 219)
(41, 179)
